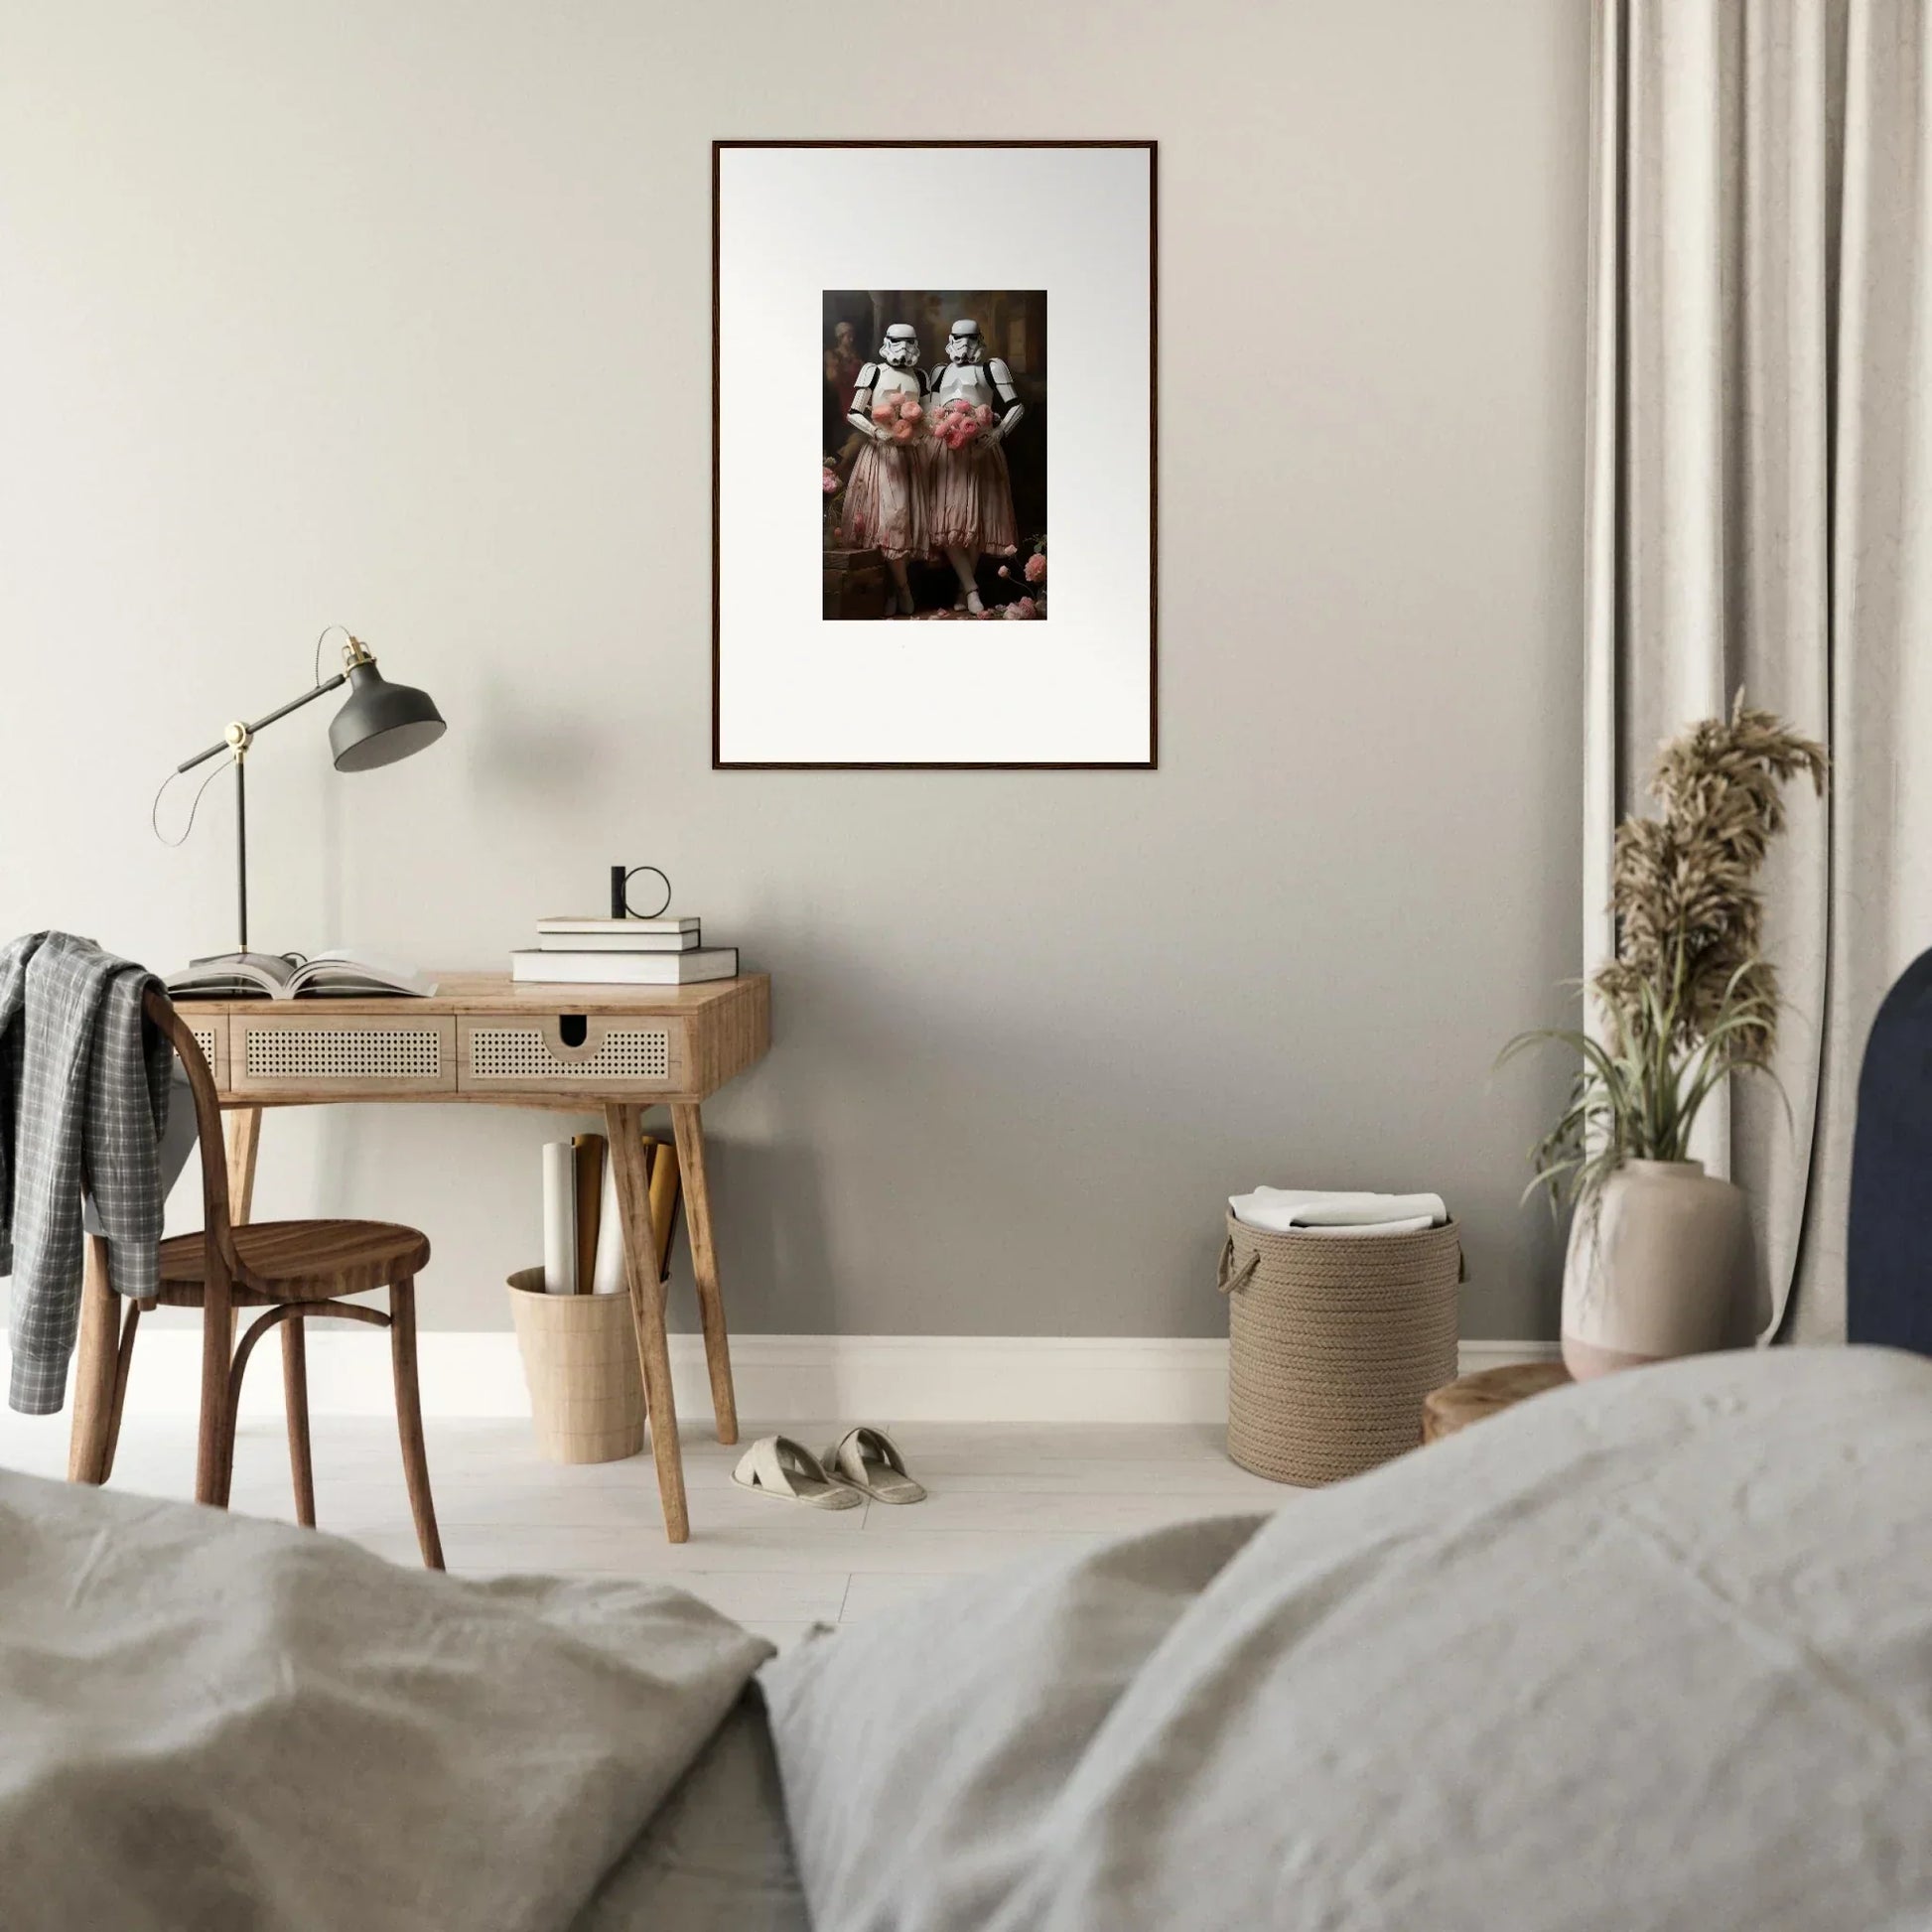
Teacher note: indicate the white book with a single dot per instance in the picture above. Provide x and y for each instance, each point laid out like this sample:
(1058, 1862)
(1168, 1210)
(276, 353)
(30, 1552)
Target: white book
(620, 941)
(559, 1218)
(561, 922)
(625, 968)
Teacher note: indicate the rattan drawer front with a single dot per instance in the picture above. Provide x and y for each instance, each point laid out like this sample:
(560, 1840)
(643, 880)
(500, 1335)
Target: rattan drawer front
(319, 1052)
(558, 1051)
(210, 1032)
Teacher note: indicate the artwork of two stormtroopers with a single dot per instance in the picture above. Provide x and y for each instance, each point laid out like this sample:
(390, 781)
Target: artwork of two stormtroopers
(928, 480)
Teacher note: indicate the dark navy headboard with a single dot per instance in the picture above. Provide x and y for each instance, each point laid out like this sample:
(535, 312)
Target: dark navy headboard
(1888, 1251)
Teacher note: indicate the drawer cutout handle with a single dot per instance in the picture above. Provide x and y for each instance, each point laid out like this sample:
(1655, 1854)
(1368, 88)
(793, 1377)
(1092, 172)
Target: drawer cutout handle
(572, 1037)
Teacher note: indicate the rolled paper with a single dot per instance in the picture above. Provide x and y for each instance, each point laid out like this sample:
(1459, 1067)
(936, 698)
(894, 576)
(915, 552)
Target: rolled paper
(559, 1218)
(607, 1277)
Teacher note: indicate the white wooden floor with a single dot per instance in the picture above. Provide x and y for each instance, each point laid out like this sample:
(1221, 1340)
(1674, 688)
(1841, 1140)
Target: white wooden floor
(998, 1492)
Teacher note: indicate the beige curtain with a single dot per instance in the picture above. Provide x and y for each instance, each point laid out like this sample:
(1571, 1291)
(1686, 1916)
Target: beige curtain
(1759, 505)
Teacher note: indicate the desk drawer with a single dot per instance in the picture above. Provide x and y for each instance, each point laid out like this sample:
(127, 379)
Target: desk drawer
(319, 1052)
(210, 1030)
(555, 1052)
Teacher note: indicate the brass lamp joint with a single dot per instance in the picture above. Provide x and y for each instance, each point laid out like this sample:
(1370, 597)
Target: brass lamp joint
(355, 652)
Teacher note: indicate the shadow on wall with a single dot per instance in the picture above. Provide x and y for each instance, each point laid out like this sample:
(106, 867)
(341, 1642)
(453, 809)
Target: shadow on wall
(775, 1254)
(980, 1226)
(516, 752)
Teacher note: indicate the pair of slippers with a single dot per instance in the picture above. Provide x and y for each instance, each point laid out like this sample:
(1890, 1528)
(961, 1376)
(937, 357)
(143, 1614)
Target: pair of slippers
(862, 1462)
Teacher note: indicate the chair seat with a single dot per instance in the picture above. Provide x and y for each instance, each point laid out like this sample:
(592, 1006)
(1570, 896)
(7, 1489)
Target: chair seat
(304, 1260)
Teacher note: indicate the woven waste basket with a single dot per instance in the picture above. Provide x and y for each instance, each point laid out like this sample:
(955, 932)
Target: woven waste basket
(580, 1359)
(1333, 1340)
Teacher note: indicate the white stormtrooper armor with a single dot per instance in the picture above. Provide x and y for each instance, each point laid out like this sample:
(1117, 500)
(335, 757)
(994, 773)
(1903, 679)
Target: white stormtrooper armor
(972, 502)
(885, 508)
(969, 372)
(897, 369)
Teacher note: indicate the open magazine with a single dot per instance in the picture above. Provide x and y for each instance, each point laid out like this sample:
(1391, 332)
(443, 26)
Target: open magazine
(289, 976)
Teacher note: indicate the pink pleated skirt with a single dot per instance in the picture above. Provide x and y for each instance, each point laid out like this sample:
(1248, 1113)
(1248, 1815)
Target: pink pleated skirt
(886, 500)
(972, 499)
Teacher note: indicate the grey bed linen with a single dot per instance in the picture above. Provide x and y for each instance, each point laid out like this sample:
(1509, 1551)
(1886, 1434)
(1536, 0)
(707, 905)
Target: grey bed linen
(210, 1721)
(717, 1856)
(1651, 1653)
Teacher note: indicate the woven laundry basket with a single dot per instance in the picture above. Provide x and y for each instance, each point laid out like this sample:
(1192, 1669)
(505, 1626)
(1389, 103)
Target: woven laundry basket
(1333, 1340)
(580, 1359)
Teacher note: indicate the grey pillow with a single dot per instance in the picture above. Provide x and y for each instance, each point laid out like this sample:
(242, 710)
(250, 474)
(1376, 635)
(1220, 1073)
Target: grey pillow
(921, 1750)
(1655, 1652)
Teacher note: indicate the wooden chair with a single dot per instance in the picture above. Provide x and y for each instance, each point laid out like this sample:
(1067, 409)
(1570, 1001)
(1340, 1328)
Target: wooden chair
(293, 1270)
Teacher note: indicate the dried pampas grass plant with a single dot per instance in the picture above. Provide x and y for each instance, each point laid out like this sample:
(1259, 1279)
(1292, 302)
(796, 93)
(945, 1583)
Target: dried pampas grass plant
(1689, 998)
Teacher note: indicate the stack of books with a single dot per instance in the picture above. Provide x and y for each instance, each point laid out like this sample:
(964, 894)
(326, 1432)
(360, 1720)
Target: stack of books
(623, 952)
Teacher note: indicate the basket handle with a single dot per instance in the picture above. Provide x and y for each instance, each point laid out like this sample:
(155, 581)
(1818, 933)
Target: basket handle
(1228, 1278)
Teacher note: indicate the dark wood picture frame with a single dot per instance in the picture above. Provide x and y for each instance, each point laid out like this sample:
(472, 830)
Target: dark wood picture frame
(1153, 760)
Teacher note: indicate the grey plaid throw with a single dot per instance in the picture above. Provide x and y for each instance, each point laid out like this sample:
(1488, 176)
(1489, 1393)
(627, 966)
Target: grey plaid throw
(84, 1091)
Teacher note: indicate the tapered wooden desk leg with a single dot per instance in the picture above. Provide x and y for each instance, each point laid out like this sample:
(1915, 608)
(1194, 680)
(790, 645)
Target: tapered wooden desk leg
(95, 1364)
(243, 1128)
(123, 1369)
(688, 1126)
(625, 1124)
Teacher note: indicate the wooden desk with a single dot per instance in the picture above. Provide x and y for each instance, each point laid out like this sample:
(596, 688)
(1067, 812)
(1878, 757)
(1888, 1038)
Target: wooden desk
(486, 1042)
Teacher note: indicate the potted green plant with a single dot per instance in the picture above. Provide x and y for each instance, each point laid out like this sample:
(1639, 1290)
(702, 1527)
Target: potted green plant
(1658, 1249)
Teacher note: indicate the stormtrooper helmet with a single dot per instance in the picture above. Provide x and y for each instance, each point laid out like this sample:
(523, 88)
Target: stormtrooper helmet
(963, 344)
(901, 348)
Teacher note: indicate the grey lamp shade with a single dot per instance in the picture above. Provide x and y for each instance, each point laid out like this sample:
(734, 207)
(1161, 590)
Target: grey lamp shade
(381, 722)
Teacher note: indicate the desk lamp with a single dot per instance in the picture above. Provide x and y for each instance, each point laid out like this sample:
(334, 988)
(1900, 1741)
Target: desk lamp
(380, 724)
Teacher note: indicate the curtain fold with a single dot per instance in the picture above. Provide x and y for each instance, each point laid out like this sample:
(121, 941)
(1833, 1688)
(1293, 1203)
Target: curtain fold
(1759, 423)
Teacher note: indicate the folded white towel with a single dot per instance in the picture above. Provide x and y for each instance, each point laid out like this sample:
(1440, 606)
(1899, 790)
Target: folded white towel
(1314, 1210)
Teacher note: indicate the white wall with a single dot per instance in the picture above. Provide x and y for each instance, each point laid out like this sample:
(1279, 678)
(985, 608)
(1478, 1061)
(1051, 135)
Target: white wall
(399, 314)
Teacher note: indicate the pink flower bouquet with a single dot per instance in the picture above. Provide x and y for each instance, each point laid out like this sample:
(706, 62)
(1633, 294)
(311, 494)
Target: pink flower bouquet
(901, 417)
(959, 423)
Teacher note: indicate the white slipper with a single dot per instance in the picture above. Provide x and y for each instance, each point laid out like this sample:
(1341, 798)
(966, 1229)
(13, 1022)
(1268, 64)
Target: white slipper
(776, 1465)
(868, 1460)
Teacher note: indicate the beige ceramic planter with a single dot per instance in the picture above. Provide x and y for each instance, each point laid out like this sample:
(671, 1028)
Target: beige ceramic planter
(1656, 1268)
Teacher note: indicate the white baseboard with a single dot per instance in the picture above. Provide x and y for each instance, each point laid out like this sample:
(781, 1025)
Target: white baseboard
(1473, 1356)
(779, 1378)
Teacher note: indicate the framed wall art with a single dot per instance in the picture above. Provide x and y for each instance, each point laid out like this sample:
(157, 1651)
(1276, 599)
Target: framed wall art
(965, 334)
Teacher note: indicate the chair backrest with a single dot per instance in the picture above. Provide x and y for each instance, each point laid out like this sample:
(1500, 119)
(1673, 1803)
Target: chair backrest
(218, 1230)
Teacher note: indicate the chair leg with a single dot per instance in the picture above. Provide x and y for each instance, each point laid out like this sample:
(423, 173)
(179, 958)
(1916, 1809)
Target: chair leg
(410, 1417)
(294, 1400)
(215, 1442)
(94, 1368)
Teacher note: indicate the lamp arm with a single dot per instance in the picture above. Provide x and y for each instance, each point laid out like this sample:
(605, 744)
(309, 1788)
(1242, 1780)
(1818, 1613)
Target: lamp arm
(248, 730)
